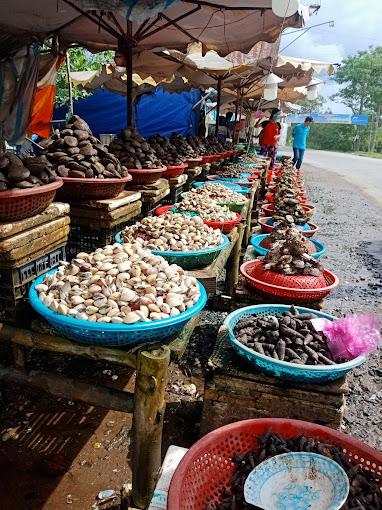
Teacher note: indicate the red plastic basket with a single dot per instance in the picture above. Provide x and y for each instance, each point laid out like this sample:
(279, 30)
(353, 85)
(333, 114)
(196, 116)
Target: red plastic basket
(297, 289)
(174, 171)
(207, 467)
(163, 209)
(270, 197)
(269, 208)
(19, 204)
(267, 244)
(206, 159)
(214, 158)
(194, 162)
(91, 189)
(146, 176)
(268, 229)
(223, 226)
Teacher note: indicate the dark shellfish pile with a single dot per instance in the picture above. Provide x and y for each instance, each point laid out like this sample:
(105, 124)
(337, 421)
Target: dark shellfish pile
(166, 151)
(134, 151)
(30, 173)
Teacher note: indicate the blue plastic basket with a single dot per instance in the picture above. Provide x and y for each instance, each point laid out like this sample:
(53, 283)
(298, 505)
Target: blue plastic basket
(188, 259)
(230, 185)
(113, 335)
(229, 179)
(255, 241)
(284, 369)
(306, 226)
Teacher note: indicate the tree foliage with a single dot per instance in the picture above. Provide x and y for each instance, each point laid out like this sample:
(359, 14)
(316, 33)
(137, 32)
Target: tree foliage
(315, 106)
(80, 60)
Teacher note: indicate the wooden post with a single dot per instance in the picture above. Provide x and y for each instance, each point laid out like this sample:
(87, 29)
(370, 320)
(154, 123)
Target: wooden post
(149, 407)
(129, 74)
(240, 114)
(218, 105)
(233, 263)
(248, 227)
(236, 114)
(67, 58)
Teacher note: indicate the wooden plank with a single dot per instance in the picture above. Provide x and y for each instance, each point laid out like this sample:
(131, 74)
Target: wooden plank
(71, 389)
(38, 244)
(54, 210)
(233, 263)
(177, 181)
(109, 204)
(157, 197)
(30, 236)
(35, 255)
(103, 214)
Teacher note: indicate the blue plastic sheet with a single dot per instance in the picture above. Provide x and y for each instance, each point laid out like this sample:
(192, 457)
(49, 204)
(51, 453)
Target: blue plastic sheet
(163, 113)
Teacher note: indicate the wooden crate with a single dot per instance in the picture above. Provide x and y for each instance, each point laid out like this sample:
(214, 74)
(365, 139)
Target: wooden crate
(236, 391)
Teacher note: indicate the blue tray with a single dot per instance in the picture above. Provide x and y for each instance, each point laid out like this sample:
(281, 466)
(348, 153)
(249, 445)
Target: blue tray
(283, 369)
(230, 185)
(255, 241)
(113, 335)
(188, 259)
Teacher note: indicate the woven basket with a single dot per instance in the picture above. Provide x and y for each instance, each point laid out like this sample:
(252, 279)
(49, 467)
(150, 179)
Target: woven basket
(146, 176)
(91, 189)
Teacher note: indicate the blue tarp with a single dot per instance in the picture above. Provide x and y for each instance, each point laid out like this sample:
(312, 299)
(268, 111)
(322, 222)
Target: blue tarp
(163, 113)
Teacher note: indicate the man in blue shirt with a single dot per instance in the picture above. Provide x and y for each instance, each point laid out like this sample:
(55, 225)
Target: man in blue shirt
(300, 134)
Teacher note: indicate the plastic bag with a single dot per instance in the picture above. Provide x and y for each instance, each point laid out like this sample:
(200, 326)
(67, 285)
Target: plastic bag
(352, 336)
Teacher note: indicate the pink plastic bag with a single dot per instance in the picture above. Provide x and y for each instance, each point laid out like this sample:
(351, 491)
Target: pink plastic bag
(352, 336)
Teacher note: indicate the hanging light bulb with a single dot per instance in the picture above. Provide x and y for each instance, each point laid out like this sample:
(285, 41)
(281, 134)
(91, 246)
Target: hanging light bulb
(285, 7)
(270, 86)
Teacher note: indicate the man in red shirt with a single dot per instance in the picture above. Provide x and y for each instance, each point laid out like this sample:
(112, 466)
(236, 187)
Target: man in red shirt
(269, 136)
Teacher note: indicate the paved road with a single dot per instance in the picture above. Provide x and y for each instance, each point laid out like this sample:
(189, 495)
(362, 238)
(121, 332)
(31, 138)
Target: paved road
(363, 172)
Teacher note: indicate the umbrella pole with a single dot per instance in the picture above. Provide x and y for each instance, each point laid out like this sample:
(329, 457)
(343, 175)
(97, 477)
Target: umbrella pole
(236, 114)
(240, 114)
(129, 74)
(218, 106)
(70, 83)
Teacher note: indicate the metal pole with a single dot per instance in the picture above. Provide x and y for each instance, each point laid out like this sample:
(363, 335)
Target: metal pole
(240, 114)
(236, 114)
(67, 58)
(129, 74)
(218, 106)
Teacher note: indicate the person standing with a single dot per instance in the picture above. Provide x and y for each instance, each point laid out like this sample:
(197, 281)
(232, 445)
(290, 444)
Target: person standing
(269, 136)
(300, 134)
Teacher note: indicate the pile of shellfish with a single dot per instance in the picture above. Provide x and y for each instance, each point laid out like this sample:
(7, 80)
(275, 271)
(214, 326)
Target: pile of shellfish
(206, 208)
(173, 232)
(289, 254)
(119, 284)
(198, 145)
(287, 199)
(234, 173)
(75, 152)
(29, 173)
(251, 158)
(182, 146)
(166, 151)
(217, 192)
(134, 151)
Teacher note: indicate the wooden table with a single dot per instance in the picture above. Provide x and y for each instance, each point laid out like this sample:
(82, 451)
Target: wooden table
(147, 403)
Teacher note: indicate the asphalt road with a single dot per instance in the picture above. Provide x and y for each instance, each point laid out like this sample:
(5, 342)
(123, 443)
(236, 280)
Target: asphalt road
(363, 172)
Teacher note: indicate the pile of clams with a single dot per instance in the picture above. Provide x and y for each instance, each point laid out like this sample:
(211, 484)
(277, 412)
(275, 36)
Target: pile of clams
(198, 145)
(206, 208)
(134, 151)
(166, 151)
(76, 153)
(287, 199)
(173, 232)
(30, 173)
(119, 284)
(217, 192)
(289, 254)
(182, 146)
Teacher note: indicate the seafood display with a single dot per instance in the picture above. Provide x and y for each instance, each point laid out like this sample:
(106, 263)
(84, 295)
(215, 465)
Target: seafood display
(198, 145)
(173, 232)
(251, 158)
(287, 200)
(166, 151)
(206, 207)
(291, 338)
(134, 151)
(240, 168)
(364, 491)
(24, 174)
(119, 284)
(217, 192)
(75, 152)
(233, 173)
(289, 253)
(183, 148)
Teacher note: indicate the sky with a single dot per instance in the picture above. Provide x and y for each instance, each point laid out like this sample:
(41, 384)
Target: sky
(357, 25)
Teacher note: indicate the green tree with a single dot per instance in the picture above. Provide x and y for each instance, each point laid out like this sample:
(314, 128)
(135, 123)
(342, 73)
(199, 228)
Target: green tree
(314, 106)
(80, 60)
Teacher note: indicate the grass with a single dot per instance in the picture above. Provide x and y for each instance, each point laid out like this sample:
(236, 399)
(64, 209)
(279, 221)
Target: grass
(376, 155)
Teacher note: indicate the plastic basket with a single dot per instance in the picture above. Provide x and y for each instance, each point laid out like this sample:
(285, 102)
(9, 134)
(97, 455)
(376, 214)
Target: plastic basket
(284, 369)
(188, 259)
(194, 162)
(267, 228)
(110, 335)
(232, 206)
(268, 209)
(19, 204)
(91, 189)
(206, 159)
(291, 289)
(243, 174)
(223, 226)
(230, 185)
(234, 180)
(262, 245)
(207, 467)
(174, 171)
(147, 175)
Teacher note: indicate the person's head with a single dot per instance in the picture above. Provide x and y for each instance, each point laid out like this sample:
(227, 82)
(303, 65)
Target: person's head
(275, 114)
(229, 115)
(308, 120)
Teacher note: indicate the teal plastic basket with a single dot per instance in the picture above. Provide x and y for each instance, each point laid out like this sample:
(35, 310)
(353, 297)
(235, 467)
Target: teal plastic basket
(255, 241)
(114, 335)
(188, 259)
(232, 206)
(284, 369)
(230, 185)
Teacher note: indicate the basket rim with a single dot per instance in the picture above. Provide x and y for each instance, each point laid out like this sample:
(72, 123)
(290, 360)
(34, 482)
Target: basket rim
(256, 240)
(33, 191)
(176, 167)
(338, 367)
(118, 239)
(110, 327)
(85, 180)
(328, 288)
(195, 160)
(263, 221)
(144, 171)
